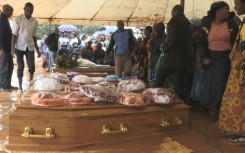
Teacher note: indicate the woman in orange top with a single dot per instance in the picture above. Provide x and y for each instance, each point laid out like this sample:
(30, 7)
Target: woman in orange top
(216, 39)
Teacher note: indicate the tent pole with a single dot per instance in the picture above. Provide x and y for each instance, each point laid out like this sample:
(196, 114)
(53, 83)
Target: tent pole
(182, 3)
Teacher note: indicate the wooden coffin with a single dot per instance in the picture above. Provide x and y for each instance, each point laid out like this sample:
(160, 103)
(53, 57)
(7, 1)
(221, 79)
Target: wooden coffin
(89, 71)
(70, 128)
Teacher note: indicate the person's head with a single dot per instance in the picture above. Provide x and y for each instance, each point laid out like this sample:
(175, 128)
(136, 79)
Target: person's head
(61, 34)
(177, 10)
(65, 34)
(56, 30)
(239, 6)
(99, 46)
(130, 31)
(72, 35)
(219, 11)
(28, 9)
(120, 25)
(84, 37)
(64, 45)
(89, 44)
(8, 10)
(75, 45)
(148, 31)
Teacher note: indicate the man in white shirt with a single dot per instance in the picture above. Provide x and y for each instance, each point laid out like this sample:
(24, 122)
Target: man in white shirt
(24, 41)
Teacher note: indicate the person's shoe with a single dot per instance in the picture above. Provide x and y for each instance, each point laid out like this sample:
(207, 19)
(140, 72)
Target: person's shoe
(13, 88)
(4, 90)
(240, 140)
(19, 91)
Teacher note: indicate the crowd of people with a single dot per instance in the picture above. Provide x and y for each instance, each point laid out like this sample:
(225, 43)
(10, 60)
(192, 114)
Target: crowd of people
(211, 47)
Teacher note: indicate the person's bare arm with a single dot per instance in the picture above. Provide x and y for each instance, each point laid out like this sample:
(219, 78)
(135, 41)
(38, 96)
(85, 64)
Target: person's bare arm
(36, 46)
(2, 54)
(14, 38)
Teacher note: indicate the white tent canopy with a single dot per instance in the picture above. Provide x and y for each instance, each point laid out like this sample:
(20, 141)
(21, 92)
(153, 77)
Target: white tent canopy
(107, 12)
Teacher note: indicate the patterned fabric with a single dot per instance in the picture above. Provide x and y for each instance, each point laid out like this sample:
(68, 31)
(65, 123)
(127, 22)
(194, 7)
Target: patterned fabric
(232, 111)
(144, 60)
(241, 62)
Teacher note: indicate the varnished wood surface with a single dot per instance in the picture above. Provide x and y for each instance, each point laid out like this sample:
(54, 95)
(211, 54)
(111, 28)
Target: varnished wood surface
(88, 70)
(204, 136)
(82, 125)
(191, 139)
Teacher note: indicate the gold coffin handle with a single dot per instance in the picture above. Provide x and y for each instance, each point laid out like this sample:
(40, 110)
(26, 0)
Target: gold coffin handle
(65, 90)
(28, 133)
(178, 121)
(166, 123)
(106, 129)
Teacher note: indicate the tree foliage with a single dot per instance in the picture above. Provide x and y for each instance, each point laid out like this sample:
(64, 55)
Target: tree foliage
(44, 29)
(89, 30)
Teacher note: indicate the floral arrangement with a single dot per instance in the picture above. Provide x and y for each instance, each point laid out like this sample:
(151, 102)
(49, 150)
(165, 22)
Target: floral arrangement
(65, 61)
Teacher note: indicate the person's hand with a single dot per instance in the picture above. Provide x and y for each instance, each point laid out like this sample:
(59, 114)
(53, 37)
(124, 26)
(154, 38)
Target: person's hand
(38, 54)
(12, 53)
(206, 61)
(2, 54)
(129, 53)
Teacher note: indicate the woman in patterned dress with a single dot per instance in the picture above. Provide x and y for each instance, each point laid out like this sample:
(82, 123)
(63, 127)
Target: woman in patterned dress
(232, 112)
(143, 51)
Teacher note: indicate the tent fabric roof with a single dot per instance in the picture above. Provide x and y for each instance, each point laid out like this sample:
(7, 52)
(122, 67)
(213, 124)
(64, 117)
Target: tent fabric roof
(107, 12)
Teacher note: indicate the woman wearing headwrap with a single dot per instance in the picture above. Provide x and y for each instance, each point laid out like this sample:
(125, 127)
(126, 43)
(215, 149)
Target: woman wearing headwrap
(157, 38)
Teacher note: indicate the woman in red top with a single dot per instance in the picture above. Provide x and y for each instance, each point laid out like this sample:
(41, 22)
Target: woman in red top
(143, 51)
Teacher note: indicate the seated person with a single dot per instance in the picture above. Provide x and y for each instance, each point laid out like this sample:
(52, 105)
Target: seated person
(63, 49)
(75, 51)
(87, 52)
(99, 54)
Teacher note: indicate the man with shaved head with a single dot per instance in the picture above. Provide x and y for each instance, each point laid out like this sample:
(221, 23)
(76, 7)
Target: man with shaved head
(6, 60)
(124, 41)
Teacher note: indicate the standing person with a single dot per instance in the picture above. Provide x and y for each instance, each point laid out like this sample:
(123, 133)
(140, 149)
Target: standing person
(178, 56)
(52, 43)
(232, 111)
(6, 60)
(215, 42)
(124, 42)
(143, 55)
(157, 38)
(24, 41)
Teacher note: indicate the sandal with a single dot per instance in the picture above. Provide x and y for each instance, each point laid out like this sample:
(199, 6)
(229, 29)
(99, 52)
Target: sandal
(237, 141)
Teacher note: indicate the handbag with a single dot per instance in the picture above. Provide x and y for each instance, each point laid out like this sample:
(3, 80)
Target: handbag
(197, 83)
(160, 62)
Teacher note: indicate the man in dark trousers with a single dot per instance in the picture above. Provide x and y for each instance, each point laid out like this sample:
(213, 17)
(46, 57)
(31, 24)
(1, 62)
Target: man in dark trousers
(52, 43)
(6, 60)
(178, 57)
(24, 41)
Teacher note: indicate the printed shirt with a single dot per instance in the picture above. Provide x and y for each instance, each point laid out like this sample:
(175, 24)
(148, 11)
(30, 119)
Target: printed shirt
(242, 33)
(25, 30)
